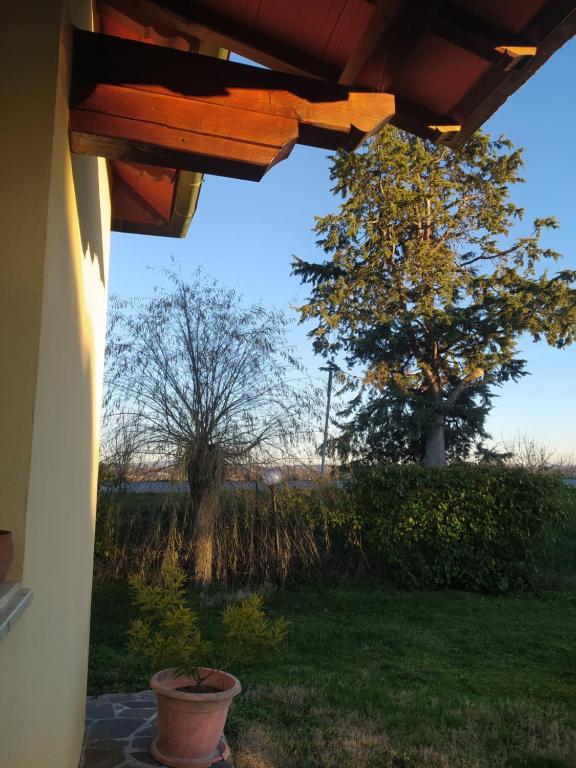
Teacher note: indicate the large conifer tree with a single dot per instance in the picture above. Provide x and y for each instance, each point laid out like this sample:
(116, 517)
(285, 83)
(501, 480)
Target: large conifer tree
(428, 286)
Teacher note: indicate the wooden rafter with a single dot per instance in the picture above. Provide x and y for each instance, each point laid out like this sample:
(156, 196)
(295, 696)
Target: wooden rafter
(550, 28)
(468, 31)
(395, 27)
(392, 32)
(153, 105)
(161, 32)
(381, 19)
(194, 19)
(424, 123)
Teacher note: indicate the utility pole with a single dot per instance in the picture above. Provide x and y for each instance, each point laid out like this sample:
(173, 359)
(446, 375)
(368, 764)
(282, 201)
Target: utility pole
(331, 367)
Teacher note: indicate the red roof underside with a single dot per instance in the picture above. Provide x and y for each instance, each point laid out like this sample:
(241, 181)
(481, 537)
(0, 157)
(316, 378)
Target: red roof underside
(327, 29)
(429, 71)
(435, 74)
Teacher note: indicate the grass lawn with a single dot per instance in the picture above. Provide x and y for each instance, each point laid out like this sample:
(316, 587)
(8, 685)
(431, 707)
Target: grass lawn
(374, 677)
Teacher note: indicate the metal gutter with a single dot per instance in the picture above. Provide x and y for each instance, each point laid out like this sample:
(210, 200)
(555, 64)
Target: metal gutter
(184, 204)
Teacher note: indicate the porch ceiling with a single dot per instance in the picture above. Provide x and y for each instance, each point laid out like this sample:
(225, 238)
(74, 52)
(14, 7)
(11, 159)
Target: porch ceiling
(449, 65)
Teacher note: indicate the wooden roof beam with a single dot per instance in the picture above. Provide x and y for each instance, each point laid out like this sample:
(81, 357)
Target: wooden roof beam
(472, 33)
(552, 26)
(189, 18)
(423, 123)
(391, 34)
(147, 104)
(395, 27)
(373, 37)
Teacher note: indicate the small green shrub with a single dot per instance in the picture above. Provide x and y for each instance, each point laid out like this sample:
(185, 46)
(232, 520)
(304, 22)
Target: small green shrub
(168, 633)
(469, 527)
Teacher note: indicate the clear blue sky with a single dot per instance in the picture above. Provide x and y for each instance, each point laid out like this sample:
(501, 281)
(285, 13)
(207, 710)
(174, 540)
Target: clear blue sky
(245, 234)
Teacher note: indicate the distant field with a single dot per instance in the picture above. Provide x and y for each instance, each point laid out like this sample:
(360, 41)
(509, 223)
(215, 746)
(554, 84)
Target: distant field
(164, 486)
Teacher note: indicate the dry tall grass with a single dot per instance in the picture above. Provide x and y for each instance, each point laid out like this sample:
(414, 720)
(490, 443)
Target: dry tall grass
(260, 537)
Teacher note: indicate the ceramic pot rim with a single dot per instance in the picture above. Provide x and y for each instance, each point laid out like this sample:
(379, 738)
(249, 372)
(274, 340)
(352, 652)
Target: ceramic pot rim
(157, 683)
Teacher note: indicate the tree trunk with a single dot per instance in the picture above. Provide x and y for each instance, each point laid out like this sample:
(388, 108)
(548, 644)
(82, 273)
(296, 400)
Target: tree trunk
(206, 518)
(434, 443)
(205, 478)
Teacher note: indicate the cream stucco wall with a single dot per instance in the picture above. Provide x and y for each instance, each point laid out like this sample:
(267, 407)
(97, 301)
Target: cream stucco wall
(54, 241)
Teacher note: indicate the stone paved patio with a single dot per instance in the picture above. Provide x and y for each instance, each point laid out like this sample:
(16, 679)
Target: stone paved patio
(119, 730)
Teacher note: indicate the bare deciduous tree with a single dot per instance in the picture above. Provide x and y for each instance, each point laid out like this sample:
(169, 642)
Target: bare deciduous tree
(524, 450)
(119, 445)
(209, 383)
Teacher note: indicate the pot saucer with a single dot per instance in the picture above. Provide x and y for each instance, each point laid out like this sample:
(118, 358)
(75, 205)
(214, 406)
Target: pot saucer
(220, 754)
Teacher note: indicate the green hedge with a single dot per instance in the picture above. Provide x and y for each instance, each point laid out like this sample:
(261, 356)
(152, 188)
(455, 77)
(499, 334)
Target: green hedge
(470, 527)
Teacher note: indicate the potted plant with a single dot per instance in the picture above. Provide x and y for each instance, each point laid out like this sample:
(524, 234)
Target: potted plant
(192, 691)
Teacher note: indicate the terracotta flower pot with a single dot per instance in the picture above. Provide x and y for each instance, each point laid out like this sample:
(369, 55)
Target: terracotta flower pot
(6, 553)
(190, 725)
